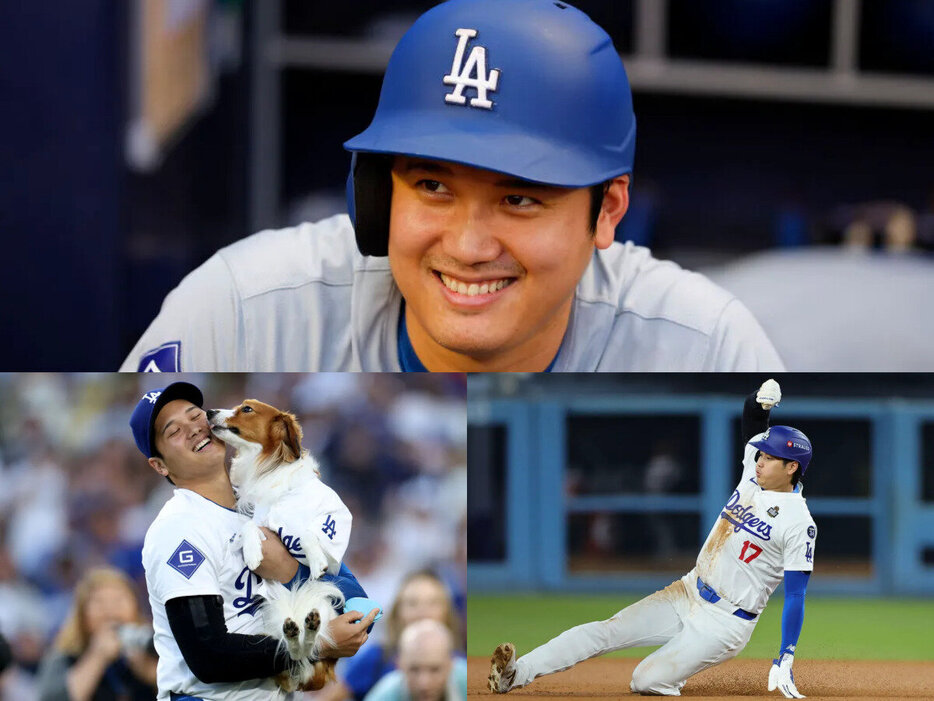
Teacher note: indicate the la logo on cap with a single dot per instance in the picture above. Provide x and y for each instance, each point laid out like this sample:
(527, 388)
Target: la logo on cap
(460, 74)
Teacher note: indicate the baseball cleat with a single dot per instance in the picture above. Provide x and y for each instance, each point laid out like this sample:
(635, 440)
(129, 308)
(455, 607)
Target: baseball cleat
(502, 668)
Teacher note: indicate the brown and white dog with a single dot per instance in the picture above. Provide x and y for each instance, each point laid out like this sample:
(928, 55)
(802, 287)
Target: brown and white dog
(279, 485)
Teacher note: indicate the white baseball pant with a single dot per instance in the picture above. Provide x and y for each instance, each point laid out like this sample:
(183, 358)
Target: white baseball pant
(694, 635)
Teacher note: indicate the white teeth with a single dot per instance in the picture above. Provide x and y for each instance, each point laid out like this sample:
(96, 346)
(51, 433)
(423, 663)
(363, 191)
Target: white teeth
(473, 289)
(202, 444)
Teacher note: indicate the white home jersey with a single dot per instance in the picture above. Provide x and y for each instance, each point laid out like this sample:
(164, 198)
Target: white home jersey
(186, 553)
(305, 299)
(759, 534)
(311, 512)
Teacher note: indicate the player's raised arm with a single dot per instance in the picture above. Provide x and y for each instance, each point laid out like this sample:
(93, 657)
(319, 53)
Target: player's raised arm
(757, 407)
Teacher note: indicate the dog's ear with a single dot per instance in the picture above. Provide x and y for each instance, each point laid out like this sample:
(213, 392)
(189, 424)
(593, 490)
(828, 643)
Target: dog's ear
(291, 433)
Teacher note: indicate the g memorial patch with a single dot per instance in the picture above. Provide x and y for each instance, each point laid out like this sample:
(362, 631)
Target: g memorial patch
(186, 559)
(165, 358)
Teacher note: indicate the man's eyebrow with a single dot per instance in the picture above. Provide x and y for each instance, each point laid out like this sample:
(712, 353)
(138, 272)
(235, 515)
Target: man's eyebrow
(428, 166)
(434, 167)
(520, 184)
(172, 421)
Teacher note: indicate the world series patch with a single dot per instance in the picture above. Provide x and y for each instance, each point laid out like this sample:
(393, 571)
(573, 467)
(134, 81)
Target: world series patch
(186, 559)
(812, 531)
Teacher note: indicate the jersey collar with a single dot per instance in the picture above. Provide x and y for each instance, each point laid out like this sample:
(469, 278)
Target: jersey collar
(408, 359)
(201, 496)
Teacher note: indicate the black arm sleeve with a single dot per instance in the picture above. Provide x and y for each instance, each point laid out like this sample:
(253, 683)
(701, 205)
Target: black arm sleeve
(755, 418)
(213, 654)
(6, 654)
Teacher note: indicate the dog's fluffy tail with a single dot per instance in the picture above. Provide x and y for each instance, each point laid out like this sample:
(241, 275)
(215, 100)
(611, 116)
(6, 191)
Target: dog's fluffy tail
(296, 603)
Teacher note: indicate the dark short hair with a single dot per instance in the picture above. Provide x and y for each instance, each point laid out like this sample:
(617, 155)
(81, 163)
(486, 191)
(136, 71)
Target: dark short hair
(796, 475)
(596, 203)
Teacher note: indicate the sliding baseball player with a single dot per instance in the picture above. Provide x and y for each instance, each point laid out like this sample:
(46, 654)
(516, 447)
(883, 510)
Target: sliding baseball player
(764, 533)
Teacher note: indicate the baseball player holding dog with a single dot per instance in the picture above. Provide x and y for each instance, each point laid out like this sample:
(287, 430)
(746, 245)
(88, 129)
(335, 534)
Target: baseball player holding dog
(483, 199)
(205, 601)
(763, 534)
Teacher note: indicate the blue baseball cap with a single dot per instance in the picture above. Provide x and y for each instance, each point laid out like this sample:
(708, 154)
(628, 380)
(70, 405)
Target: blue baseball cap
(148, 407)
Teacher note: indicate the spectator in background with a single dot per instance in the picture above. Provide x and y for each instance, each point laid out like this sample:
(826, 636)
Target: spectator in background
(99, 653)
(427, 669)
(422, 595)
(662, 475)
(26, 623)
(885, 224)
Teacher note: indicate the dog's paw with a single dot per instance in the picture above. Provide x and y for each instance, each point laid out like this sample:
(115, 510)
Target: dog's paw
(291, 632)
(313, 621)
(290, 629)
(315, 557)
(252, 549)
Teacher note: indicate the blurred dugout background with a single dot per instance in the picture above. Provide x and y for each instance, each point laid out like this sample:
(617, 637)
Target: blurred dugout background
(590, 484)
(77, 493)
(139, 137)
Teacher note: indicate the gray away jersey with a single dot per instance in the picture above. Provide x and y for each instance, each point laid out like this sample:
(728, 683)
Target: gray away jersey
(305, 299)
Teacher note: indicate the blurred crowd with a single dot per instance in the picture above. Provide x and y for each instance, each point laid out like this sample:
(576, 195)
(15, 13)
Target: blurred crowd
(77, 495)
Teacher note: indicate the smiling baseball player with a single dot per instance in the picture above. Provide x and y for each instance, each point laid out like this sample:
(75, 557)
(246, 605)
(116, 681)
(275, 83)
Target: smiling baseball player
(206, 603)
(764, 532)
(483, 199)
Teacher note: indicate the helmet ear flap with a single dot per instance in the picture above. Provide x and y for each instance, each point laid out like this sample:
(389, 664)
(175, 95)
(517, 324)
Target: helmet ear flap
(371, 194)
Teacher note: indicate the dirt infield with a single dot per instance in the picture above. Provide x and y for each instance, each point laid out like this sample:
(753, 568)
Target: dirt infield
(816, 679)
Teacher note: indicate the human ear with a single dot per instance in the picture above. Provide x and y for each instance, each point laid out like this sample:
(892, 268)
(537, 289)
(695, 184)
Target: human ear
(615, 204)
(159, 466)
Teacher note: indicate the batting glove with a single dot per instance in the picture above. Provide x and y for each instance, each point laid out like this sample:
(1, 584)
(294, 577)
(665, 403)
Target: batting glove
(769, 394)
(782, 678)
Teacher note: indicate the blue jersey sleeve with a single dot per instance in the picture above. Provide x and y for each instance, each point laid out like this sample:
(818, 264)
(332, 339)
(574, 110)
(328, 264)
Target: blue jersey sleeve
(793, 612)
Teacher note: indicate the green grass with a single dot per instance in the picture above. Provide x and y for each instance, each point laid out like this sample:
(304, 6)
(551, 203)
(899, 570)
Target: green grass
(880, 629)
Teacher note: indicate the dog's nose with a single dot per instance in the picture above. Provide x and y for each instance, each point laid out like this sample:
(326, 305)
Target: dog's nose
(211, 413)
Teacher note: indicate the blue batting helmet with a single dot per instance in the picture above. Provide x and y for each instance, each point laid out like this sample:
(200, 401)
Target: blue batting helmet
(148, 407)
(529, 88)
(786, 442)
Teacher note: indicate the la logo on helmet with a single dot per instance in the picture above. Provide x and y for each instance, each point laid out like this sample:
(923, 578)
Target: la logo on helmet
(460, 75)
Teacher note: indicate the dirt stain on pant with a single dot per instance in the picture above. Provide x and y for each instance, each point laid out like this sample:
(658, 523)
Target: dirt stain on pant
(673, 592)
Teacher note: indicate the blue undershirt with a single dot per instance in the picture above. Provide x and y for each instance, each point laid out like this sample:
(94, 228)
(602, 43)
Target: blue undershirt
(408, 360)
(343, 580)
